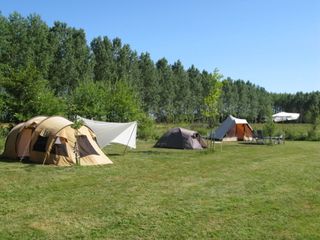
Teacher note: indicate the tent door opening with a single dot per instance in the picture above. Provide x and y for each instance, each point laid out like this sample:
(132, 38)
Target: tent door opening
(24, 143)
(240, 130)
(60, 147)
(84, 146)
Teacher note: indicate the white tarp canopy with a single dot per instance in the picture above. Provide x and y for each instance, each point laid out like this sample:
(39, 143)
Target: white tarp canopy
(110, 132)
(284, 116)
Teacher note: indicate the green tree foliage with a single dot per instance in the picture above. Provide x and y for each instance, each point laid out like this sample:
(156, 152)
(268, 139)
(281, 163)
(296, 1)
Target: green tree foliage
(265, 105)
(269, 127)
(182, 100)
(127, 64)
(307, 104)
(40, 51)
(2, 108)
(253, 102)
(25, 41)
(89, 100)
(124, 104)
(110, 102)
(27, 94)
(104, 101)
(42, 67)
(245, 100)
(229, 98)
(211, 102)
(148, 84)
(71, 58)
(314, 107)
(4, 40)
(17, 48)
(104, 66)
(167, 91)
(196, 92)
(314, 133)
(2, 96)
(114, 61)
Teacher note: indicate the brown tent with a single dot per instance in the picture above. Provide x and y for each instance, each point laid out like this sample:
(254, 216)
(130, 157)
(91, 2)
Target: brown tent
(181, 138)
(233, 129)
(52, 140)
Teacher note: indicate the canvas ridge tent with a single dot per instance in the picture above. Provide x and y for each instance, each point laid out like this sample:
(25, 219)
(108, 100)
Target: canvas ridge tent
(233, 129)
(181, 138)
(52, 140)
(112, 132)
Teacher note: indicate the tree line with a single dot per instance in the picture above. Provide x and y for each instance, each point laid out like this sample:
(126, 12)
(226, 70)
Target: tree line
(53, 70)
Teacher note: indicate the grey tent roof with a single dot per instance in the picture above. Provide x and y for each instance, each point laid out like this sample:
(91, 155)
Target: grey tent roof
(181, 138)
(226, 125)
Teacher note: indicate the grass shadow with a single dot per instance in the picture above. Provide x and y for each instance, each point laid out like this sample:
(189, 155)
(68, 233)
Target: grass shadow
(167, 151)
(115, 154)
(149, 152)
(24, 161)
(252, 143)
(8, 160)
(4, 159)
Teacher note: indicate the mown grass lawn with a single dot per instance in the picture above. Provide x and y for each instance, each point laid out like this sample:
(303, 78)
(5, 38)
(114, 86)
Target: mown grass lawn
(243, 192)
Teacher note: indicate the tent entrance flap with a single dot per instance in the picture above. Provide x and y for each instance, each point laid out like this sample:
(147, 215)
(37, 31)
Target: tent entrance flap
(240, 131)
(23, 143)
(85, 147)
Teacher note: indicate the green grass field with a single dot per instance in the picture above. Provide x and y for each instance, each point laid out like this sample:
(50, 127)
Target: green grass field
(243, 192)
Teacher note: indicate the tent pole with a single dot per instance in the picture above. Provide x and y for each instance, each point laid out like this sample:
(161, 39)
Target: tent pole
(129, 139)
(46, 155)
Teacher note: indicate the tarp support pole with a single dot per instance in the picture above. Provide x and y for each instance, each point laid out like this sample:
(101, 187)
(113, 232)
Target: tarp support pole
(130, 138)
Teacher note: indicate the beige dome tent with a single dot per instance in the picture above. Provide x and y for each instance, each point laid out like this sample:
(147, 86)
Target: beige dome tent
(233, 129)
(54, 141)
(18, 140)
(181, 138)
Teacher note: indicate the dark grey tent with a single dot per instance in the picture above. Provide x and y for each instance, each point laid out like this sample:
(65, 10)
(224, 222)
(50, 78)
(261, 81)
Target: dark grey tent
(181, 138)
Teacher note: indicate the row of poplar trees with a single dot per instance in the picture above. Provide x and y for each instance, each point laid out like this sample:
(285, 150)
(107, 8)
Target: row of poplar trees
(53, 70)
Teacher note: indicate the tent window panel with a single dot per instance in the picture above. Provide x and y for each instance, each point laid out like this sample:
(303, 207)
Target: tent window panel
(59, 149)
(85, 147)
(41, 143)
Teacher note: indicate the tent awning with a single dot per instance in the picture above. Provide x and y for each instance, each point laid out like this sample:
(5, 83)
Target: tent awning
(111, 132)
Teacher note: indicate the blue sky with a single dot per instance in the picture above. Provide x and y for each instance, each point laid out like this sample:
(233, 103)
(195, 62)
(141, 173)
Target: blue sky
(272, 43)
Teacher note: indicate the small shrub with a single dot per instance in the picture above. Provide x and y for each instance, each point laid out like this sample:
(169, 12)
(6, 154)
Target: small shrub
(269, 128)
(201, 128)
(146, 128)
(4, 130)
(296, 135)
(314, 133)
